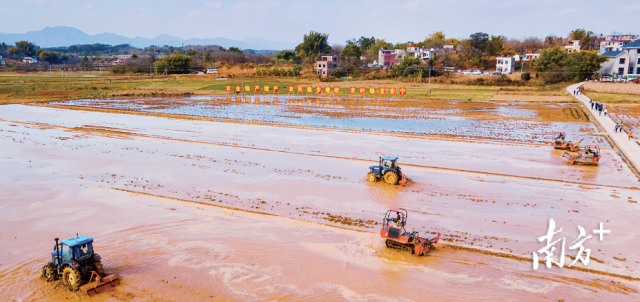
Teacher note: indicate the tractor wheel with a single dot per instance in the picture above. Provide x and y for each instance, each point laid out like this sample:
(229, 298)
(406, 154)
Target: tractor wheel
(391, 178)
(99, 268)
(371, 177)
(71, 277)
(48, 273)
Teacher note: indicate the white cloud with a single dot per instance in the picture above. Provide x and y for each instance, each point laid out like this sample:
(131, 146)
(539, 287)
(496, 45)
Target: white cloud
(215, 5)
(632, 7)
(87, 6)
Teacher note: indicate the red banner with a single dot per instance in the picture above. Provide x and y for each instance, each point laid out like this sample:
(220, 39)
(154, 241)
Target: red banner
(309, 89)
(276, 89)
(291, 89)
(352, 90)
(300, 89)
(403, 91)
(382, 90)
(318, 89)
(266, 88)
(372, 91)
(392, 91)
(227, 88)
(256, 88)
(336, 90)
(238, 88)
(362, 90)
(327, 90)
(247, 88)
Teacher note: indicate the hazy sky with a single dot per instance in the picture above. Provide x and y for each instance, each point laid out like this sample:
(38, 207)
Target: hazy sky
(288, 20)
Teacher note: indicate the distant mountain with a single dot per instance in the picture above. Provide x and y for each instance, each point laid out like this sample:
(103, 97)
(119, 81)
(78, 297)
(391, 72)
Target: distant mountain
(66, 36)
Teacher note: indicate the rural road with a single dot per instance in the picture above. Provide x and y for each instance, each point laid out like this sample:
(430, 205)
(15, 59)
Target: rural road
(629, 148)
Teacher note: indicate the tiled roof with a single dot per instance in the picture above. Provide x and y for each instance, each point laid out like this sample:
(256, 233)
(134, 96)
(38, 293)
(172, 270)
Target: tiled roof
(612, 54)
(634, 44)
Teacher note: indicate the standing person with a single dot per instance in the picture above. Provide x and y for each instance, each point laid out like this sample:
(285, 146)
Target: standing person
(592, 104)
(629, 133)
(605, 111)
(621, 127)
(615, 130)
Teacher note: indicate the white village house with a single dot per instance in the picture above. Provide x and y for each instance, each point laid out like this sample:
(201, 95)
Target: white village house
(505, 65)
(623, 62)
(29, 60)
(389, 57)
(1, 60)
(574, 46)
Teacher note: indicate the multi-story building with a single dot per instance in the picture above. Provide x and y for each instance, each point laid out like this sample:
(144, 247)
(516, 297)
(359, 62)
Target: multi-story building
(573, 46)
(386, 57)
(615, 42)
(326, 65)
(623, 62)
(505, 65)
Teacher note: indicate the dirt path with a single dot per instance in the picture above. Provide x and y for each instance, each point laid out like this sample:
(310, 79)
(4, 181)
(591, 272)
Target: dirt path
(629, 147)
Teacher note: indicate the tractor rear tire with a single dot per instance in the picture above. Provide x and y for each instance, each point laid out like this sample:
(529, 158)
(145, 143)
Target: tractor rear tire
(71, 278)
(391, 178)
(48, 273)
(371, 177)
(99, 268)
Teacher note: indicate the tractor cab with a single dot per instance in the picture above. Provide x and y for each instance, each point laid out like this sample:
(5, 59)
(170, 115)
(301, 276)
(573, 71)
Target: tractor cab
(592, 150)
(396, 237)
(393, 224)
(559, 139)
(79, 248)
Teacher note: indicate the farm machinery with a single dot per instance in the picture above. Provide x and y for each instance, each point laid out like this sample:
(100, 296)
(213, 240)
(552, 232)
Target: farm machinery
(389, 171)
(589, 155)
(559, 142)
(74, 260)
(397, 238)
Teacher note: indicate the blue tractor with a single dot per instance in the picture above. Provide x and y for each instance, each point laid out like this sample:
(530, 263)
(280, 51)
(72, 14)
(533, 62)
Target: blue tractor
(74, 260)
(388, 170)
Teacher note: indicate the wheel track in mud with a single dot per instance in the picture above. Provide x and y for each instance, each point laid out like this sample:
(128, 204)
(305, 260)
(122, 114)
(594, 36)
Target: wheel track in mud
(106, 131)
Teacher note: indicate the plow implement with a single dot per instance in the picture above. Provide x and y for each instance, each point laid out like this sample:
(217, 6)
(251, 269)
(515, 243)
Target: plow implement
(99, 285)
(405, 180)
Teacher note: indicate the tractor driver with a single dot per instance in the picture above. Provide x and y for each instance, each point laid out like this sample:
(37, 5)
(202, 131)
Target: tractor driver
(397, 220)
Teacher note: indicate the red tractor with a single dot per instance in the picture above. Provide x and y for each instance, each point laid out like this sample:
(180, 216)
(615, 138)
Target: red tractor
(589, 156)
(559, 142)
(396, 236)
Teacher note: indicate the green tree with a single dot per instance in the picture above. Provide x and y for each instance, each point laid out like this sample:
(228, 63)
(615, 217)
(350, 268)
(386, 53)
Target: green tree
(192, 53)
(407, 66)
(479, 41)
(583, 36)
(313, 44)
(85, 62)
(133, 56)
(49, 56)
(286, 55)
(350, 51)
(549, 59)
(64, 58)
(581, 65)
(235, 49)
(26, 48)
(495, 45)
(176, 63)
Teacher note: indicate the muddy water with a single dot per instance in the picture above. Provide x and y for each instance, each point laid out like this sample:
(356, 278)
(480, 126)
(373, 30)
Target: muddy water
(521, 160)
(496, 121)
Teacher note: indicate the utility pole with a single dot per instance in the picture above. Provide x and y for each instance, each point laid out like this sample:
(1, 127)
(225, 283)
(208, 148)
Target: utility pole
(242, 87)
(50, 74)
(429, 81)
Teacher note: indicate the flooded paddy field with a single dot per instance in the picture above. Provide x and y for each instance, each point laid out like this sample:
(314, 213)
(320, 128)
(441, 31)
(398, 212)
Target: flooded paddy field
(505, 121)
(200, 210)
